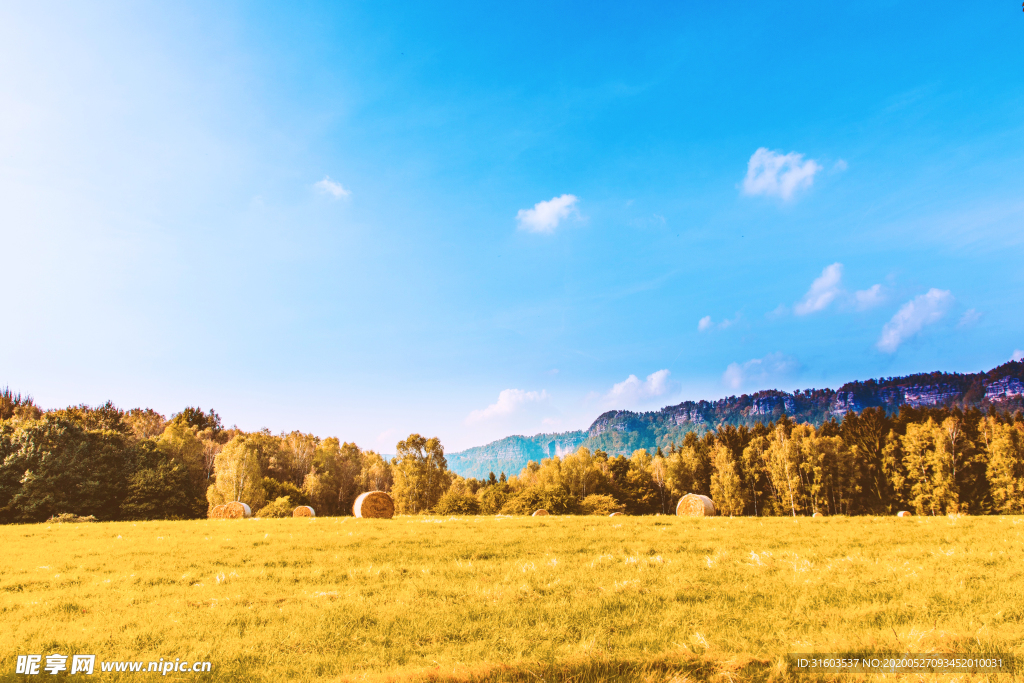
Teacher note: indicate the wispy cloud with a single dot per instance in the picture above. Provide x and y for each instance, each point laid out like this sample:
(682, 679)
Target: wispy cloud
(760, 371)
(823, 291)
(912, 317)
(706, 323)
(778, 175)
(509, 402)
(333, 188)
(873, 296)
(632, 391)
(1018, 355)
(828, 288)
(969, 318)
(545, 216)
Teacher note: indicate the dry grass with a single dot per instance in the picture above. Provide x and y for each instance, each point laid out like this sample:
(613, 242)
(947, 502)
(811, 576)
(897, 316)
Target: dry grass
(512, 599)
(374, 505)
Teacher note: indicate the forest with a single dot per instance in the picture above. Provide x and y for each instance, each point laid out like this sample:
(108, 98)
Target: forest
(113, 464)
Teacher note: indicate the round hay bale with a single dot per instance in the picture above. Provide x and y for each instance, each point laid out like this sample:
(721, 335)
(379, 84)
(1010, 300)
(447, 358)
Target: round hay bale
(303, 511)
(375, 505)
(615, 514)
(695, 505)
(217, 511)
(540, 513)
(817, 514)
(904, 513)
(237, 510)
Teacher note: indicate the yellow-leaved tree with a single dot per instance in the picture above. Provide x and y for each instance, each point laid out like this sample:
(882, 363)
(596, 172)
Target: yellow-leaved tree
(1004, 444)
(420, 472)
(237, 473)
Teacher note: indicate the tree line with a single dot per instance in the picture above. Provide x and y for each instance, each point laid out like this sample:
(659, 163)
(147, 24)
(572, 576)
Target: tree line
(136, 464)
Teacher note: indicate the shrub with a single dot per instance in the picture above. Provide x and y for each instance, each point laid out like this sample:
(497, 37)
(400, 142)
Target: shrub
(67, 517)
(282, 507)
(278, 489)
(457, 503)
(601, 504)
(555, 499)
(493, 498)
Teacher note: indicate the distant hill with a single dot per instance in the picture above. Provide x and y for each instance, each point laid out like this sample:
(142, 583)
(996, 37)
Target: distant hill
(623, 431)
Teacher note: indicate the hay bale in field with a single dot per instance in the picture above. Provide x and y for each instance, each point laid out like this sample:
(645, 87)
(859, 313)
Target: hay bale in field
(540, 513)
(237, 510)
(904, 513)
(217, 511)
(616, 514)
(817, 514)
(695, 505)
(303, 511)
(374, 505)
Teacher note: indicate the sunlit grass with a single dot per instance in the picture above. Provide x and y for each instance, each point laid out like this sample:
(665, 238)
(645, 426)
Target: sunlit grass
(621, 597)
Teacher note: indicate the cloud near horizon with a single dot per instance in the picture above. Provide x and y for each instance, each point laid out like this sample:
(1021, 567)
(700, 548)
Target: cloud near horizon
(544, 217)
(631, 390)
(760, 371)
(773, 174)
(921, 311)
(509, 401)
(333, 188)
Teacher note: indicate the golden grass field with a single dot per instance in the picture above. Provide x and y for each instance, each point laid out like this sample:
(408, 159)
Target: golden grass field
(509, 599)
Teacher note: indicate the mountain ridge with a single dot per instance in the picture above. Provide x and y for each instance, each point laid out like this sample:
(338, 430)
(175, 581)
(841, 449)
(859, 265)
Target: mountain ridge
(623, 431)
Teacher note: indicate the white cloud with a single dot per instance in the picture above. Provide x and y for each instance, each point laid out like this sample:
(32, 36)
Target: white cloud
(912, 317)
(328, 186)
(840, 166)
(868, 298)
(706, 323)
(969, 318)
(509, 401)
(827, 288)
(759, 371)
(632, 391)
(1018, 355)
(823, 291)
(545, 216)
(780, 175)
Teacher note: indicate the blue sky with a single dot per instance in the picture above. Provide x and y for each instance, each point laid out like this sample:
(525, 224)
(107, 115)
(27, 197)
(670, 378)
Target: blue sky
(371, 219)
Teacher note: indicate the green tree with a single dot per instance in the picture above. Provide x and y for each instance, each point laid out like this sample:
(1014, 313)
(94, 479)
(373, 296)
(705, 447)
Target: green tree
(493, 498)
(54, 465)
(161, 487)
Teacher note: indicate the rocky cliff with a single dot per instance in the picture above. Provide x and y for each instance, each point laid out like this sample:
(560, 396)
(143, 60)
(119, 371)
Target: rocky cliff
(623, 431)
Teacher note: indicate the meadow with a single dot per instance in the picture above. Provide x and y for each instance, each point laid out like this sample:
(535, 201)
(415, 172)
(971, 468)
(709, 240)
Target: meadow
(509, 599)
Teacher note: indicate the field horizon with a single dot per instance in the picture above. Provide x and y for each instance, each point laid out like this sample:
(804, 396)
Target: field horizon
(510, 598)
